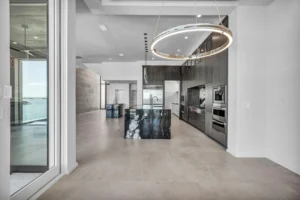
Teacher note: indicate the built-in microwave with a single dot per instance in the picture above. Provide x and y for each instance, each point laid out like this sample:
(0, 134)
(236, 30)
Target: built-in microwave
(219, 112)
(220, 94)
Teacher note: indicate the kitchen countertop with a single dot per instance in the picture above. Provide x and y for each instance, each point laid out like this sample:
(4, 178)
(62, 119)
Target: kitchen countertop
(143, 123)
(155, 107)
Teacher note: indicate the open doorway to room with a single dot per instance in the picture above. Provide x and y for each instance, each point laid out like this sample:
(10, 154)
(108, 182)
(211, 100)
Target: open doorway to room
(121, 92)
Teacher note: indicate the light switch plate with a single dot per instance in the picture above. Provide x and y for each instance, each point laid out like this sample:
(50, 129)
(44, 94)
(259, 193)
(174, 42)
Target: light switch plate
(1, 113)
(7, 92)
(1, 92)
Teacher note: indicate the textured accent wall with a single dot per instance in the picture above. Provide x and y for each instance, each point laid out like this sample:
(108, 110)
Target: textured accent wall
(87, 90)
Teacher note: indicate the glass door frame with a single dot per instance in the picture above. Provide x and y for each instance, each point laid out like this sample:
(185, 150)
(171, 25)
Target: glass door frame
(54, 99)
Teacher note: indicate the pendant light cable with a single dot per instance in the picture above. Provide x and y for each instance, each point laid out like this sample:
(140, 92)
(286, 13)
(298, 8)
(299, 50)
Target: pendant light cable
(162, 4)
(217, 7)
(196, 12)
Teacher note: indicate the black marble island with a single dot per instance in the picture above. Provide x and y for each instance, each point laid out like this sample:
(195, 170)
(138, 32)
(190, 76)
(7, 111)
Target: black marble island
(114, 110)
(143, 123)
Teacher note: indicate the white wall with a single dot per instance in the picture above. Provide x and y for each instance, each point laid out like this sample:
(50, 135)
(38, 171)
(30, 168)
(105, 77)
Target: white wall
(283, 83)
(4, 103)
(264, 80)
(233, 85)
(126, 71)
(247, 85)
(120, 71)
(125, 93)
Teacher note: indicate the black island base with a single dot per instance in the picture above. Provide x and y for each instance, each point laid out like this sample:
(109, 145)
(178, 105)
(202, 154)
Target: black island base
(147, 124)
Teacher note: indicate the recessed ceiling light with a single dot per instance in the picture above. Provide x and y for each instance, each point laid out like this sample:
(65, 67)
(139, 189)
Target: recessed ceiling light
(152, 58)
(109, 58)
(186, 37)
(35, 37)
(199, 15)
(15, 43)
(178, 50)
(121, 54)
(103, 27)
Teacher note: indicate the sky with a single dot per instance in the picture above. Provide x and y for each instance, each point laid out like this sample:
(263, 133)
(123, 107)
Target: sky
(34, 79)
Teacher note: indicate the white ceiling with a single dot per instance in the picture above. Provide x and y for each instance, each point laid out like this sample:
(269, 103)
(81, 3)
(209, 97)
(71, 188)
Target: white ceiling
(128, 20)
(126, 35)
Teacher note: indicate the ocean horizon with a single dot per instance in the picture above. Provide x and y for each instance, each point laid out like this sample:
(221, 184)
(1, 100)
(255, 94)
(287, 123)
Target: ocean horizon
(35, 108)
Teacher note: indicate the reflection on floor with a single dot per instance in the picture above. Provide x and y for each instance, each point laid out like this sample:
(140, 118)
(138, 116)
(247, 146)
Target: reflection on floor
(19, 180)
(29, 144)
(189, 166)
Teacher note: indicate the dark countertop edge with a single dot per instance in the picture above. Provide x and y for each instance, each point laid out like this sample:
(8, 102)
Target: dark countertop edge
(144, 109)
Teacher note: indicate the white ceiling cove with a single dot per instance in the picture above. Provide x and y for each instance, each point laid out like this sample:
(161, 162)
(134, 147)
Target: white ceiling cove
(128, 20)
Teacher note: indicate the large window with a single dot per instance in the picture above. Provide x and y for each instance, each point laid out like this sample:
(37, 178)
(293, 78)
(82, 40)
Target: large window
(34, 104)
(34, 87)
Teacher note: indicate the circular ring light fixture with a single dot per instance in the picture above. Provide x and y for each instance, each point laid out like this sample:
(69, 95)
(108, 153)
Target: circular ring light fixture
(192, 28)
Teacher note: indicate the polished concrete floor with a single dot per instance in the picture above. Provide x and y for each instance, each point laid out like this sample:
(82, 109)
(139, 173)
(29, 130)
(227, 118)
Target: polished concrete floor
(189, 166)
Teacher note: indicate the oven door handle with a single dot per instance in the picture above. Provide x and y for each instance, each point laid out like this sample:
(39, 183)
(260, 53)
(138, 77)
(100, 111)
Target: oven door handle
(219, 123)
(216, 108)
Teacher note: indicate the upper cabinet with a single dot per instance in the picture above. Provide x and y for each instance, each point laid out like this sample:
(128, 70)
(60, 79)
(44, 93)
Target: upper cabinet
(209, 62)
(172, 73)
(156, 75)
(220, 62)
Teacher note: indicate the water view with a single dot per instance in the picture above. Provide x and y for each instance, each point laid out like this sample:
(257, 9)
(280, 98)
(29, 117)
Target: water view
(34, 109)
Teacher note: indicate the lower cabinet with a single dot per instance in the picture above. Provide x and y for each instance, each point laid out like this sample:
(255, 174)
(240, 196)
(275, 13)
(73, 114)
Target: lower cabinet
(219, 137)
(208, 123)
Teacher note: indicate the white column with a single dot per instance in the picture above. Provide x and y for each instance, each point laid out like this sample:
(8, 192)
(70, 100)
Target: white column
(68, 86)
(4, 103)
(247, 84)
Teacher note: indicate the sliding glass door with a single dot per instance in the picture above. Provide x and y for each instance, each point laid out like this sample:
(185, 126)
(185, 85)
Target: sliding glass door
(35, 104)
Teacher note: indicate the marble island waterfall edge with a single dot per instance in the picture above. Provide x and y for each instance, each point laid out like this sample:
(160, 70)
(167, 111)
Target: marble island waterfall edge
(147, 124)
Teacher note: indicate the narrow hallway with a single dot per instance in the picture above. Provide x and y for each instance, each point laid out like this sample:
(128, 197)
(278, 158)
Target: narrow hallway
(189, 166)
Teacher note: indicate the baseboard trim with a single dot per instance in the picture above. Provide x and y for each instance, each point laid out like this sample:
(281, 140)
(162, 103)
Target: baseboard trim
(72, 168)
(46, 187)
(231, 152)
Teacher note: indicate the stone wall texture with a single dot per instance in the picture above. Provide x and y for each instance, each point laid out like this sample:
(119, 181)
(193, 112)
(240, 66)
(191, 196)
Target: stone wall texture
(87, 90)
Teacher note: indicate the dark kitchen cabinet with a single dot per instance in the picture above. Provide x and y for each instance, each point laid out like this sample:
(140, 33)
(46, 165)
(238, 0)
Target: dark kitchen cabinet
(199, 75)
(208, 97)
(155, 75)
(208, 124)
(211, 71)
(220, 64)
(209, 63)
(172, 73)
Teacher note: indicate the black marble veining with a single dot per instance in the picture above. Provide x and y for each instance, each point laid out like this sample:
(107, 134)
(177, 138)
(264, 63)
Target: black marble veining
(147, 124)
